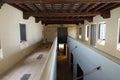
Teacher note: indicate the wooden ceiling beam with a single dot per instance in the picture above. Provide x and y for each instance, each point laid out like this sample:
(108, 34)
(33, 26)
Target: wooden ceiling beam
(83, 7)
(100, 6)
(61, 1)
(70, 8)
(52, 6)
(110, 6)
(44, 9)
(55, 14)
(62, 22)
(62, 6)
(64, 19)
(35, 7)
(30, 7)
(23, 6)
(91, 7)
(18, 7)
(106, 14)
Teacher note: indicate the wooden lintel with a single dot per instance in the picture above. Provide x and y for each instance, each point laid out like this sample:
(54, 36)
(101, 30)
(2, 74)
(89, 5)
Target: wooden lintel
(106, 14)
(61, 1)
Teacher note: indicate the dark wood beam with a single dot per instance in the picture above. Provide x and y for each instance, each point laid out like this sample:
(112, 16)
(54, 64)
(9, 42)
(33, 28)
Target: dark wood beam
(115, 6)
(52, 14)
(44, 9)
(106, 14)
(38, 6)
(83, 7)
(80, 6)
(64, 19)
(30, 7)
(35, 7)
(100, 6)
(18, 7)
(61, 1)
(62, 6)
(52, 6)
(110, 6)
(70, 8)
(61, 22)
(91, 7)
(24, 7)
(87, 8)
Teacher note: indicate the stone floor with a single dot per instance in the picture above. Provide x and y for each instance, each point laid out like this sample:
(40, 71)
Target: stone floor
(63, 68)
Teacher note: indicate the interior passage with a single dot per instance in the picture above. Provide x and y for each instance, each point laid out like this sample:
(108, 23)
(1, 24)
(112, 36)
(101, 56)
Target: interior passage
(30, 68)
(63, 67)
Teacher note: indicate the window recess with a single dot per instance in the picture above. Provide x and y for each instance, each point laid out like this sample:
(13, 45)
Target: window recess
(102, 33)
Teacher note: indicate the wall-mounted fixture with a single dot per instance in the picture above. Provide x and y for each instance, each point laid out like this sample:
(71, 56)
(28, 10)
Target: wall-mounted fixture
(73, 49)
(88, 73)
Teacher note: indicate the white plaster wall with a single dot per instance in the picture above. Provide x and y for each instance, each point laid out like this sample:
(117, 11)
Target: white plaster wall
(72, 31)
(51, 31)
(111, 32)
(89, 58)
(10, 18)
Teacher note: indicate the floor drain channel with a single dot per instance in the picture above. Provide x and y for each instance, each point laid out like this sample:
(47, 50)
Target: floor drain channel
(25, 77)
(40, 56)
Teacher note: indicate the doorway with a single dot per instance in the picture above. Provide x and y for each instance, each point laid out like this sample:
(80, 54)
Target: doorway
(93, 35)
(71, 62)
(79, 72)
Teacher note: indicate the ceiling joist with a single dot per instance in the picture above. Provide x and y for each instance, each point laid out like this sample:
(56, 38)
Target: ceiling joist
(64, 11)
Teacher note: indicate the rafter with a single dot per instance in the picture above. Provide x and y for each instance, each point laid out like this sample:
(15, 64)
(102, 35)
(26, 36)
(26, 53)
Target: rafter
(60, 1)
(18, 7)
(100, 6)
(70, 8)
(30, 7)
(35, 7)
(55, 14)
(91, 7)
(110, 6)
(44, 9)
(85, 10)
(52, 6)
(83, 7)
(62, 6)
(24, 7)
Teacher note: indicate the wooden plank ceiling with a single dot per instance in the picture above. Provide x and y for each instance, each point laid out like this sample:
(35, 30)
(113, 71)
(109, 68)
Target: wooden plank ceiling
(64, 11)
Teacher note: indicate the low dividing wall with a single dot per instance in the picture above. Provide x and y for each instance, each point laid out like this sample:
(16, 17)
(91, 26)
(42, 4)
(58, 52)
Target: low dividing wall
(49, 71)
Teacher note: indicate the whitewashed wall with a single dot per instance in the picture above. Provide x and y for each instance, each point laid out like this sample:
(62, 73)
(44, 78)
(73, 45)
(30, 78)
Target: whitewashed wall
(10, 18)
(88, 59)
(111, 41)
(51, 31)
